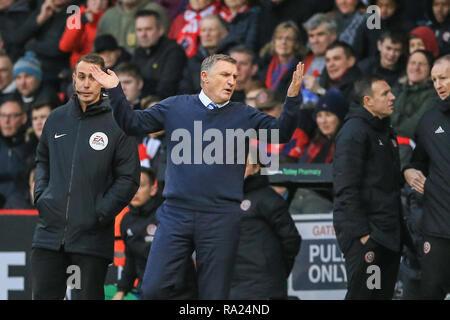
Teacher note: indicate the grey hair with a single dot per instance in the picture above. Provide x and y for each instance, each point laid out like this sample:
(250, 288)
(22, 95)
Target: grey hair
(217, 18)
(445, 58)
(209, 62)
(318, 19)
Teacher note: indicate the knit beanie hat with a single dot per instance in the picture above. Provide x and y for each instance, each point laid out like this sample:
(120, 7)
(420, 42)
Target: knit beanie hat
(333, 101)
(28, 64)
(428, 38)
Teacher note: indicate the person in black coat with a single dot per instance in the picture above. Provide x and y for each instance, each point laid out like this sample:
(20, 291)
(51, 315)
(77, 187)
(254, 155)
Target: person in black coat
(161, 59)
(268, 244)
(367, 181)
(137, 230)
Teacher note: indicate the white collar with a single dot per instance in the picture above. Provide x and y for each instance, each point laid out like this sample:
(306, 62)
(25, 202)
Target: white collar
(206, 100)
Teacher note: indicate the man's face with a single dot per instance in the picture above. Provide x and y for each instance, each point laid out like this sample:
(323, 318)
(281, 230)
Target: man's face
(211, 33)
(131, 86)
(197, 5)
(319, 39)
(250, 97)
(144, 193)
(97, 5)
(110, 57)
(440, 74)
(390, 52)
(387, 8)
(440, 9)
(235, 3)
(418, 69)
(11, 118)
(219, 83)
(346, 6)
(245, 68)
(6, 72)
(27, 84)
(416, 44)
(337, 63)
(38, 118)
(87, 88)
(147, 32)
(381, 102)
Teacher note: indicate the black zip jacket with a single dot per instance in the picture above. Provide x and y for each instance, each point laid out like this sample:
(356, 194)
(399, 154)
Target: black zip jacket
(87, 171)
(432, 157)
(367, 181)
(268, 244)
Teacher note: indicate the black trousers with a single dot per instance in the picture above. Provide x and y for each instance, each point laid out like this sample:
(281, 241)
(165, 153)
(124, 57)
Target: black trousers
(364, 263)
(435, 263)
(52, 271)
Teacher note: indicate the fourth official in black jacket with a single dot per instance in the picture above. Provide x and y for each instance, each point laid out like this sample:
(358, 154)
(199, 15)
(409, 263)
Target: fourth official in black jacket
(268, 244)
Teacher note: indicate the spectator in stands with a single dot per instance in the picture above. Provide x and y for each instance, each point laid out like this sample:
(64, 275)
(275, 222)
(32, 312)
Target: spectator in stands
(366, 182)
(242, 21)
(414, 97)
(423, 38)
(247, 68)
(7, 84)
(39, 113)
(390, 61)
(28, 77)
(137, 230)
(15, 155)
(322, 31)
(365, 43)
(160, 59)
(119, 21)
(329, 114)
(79, 41)
(252, 91)
(12, 15)
(428, 174)
(274, 12)
(268, 243)
(212, 32)
(340, 72)
(132, 83)
(438, 13)
(106, 47)
(41, 33)
(185, 28)
(280, 57)
(348, 17)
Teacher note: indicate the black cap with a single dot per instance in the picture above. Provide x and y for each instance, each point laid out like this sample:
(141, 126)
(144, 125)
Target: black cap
(105, 42)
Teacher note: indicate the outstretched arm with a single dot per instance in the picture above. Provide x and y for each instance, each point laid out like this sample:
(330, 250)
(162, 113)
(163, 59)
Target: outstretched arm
(132, 122)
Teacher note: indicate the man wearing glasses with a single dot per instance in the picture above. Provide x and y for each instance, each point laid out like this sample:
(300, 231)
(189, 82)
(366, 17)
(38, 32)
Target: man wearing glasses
(15, 155)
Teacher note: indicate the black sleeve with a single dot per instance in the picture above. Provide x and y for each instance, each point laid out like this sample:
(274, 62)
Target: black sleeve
(42, 171)
(349, 166)
(129, 274)
(126, 173)
(275, 211)
(168, 84)
(420, 159)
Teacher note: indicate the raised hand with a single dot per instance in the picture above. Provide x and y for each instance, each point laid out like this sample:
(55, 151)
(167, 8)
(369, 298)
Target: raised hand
(297, 80)
(108, 80)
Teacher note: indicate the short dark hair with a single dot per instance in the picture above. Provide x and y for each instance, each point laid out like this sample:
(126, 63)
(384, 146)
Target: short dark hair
(43, 103)
(240, 48)
(348, 50)
(363, 87)
(91, 58)
(395, 36)
(149, 13)
(14, 99)
(151, 174)
(129, 68)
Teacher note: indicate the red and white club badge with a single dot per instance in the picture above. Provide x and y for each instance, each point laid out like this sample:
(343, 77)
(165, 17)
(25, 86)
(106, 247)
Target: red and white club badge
(245, 205)
(426, 247)
(369, 257)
